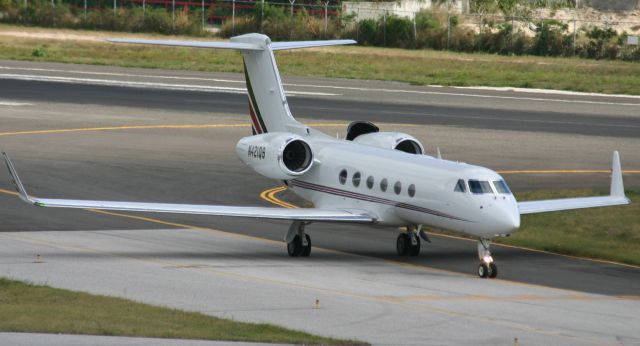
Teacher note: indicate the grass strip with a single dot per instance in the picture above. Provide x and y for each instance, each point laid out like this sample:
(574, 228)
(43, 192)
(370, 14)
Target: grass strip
(42, 309)
(611, 233)
(420, 67)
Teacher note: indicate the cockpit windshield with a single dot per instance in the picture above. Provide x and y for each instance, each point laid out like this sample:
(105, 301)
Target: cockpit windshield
(501, 187)
(479, 186)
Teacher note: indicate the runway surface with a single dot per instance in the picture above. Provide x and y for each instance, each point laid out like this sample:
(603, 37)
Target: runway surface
(123, 148)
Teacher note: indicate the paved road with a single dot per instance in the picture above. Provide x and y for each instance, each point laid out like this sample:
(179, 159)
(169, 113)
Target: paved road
(198, 165)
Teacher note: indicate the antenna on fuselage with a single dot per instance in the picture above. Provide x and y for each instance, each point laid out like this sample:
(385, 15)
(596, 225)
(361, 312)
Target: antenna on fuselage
(438, 155)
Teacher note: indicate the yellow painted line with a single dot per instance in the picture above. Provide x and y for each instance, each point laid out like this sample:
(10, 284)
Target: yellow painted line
(269, 195)
(8, 192)
(274, 199)
(169, 126)
(565, 171)
(117, 128)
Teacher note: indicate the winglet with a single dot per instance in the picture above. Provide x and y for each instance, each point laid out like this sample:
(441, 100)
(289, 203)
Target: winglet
(617, 186)
(22, 192)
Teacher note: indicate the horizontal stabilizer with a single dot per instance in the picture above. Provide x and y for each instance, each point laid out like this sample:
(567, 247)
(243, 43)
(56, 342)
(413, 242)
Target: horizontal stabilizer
(244, 46)
(308, 44)
(194, 44)
(297, 214)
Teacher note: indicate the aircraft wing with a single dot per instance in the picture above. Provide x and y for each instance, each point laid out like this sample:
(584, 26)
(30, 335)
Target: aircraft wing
(616, 196)
(301, 214)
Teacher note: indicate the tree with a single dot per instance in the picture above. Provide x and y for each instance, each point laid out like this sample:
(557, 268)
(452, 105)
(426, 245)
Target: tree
(507, 6)
(483, 6)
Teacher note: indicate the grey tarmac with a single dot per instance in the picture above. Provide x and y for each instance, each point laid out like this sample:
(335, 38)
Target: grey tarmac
(198, 165)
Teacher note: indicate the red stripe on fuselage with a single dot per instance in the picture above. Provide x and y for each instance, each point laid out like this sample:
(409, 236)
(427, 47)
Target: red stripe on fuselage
(254, 119)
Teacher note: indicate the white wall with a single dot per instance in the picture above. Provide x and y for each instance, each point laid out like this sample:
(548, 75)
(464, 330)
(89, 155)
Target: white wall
(403, 8)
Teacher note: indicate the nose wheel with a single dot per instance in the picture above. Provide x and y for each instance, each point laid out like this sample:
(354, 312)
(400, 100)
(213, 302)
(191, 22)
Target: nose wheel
(486, 268)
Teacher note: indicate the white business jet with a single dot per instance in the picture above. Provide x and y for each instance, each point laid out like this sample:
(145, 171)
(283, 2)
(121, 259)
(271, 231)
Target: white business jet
(370, 177)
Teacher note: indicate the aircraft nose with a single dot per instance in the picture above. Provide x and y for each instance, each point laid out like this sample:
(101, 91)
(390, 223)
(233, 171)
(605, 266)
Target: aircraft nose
(511, 219)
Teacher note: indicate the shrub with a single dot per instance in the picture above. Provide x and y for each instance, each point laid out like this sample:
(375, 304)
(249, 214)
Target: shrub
(549, 39)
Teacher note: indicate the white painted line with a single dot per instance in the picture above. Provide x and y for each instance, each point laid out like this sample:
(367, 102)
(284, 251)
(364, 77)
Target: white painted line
(399, 91)
(187, 87)
(15, 104)
(544, 91)
(241, 81)
(383, 90)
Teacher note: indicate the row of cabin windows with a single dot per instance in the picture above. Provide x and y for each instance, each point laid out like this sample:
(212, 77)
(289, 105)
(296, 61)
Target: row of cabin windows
(357, 177)
(479, 187)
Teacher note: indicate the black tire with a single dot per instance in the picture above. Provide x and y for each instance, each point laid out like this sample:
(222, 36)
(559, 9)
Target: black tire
(306, 251)
(483, 270)
(403, 244)
(493, 270)
(414, 250)
(294, 248)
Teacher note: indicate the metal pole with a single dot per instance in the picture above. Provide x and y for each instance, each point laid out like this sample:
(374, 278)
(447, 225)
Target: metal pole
(291, 2)
(326, 15)
(115, 7)
(173, 15)
(358, 22)
(202, 15)
(384, 29)
(262, 18)
(574, 37)
(415, 30)
(233, 17)
(448, 30)
(85, 9)
(144, 9)
(513, 29)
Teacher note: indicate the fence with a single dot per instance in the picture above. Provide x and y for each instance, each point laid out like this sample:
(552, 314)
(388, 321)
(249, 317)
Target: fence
(565, 35)
(211, 11)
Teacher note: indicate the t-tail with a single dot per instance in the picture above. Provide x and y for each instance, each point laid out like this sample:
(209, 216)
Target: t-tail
(268, 107)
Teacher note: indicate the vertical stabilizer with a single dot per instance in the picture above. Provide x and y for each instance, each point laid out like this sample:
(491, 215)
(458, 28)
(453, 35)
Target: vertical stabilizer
(268, 105)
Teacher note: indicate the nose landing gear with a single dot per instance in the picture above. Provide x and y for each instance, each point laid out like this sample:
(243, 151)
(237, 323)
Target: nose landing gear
(486, 268)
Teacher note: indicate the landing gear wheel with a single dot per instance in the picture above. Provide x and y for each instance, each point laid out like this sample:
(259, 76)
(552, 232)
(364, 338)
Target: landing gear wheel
(307, 249)
(483, 270)
(493, 271)
(403, 244)
(294, 247)
(414, 250)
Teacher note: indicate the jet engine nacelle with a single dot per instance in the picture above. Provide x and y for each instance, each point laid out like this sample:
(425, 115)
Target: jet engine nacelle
(277, 155)
(392, 140)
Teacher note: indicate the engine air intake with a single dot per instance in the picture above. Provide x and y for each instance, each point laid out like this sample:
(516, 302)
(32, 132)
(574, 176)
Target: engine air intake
(409, 146)
(297, 156)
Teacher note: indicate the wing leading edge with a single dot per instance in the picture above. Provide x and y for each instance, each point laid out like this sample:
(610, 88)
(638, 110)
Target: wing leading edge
(616, 196)
(302, 214)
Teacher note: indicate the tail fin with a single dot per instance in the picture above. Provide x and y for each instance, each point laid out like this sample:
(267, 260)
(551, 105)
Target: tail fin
(268, 105)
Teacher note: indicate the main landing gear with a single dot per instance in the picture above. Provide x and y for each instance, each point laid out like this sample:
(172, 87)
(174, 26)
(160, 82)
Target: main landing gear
(486, 268)
(298, 242)
(408, 244)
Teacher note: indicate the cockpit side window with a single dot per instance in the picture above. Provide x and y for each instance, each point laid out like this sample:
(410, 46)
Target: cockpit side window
(479, 186)
(501, 187)
(460, 186)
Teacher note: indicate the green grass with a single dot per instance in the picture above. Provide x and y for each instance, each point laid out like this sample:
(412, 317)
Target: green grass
(35, 308)
(420, 67)
(611, 233)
